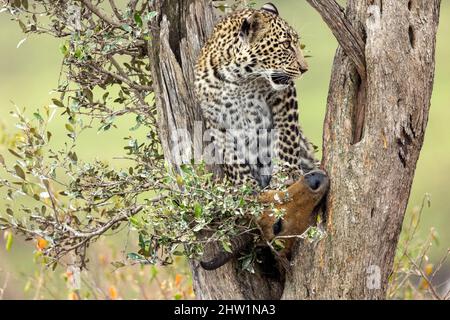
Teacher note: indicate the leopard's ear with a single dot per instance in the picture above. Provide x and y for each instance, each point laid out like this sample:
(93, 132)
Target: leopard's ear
(252, 26)
(270, 7)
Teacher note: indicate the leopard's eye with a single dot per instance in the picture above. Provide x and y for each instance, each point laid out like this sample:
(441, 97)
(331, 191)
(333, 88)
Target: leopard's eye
(286, 44)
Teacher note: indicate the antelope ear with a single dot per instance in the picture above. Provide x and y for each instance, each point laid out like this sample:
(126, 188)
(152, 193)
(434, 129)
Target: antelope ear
(270, 7)
(251, 26)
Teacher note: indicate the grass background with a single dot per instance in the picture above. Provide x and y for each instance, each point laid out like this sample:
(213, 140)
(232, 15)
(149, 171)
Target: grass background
(30, 72)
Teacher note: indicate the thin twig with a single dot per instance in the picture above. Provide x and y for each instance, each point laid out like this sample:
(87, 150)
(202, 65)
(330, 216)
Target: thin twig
(95, 10)
(3, 288)
(121, 78)
(441, 263)
(132, 5)
(40, 282)
(105, 227)
(137, 92)
(144, 6)
(447, 296)
(115, 10)
(52, 199)
(425, 277)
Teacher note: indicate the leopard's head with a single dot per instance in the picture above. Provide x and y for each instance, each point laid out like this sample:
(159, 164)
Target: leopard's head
(270, 47)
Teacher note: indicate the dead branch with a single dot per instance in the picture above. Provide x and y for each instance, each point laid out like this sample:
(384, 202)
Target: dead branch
(347, 36)
(99, 13)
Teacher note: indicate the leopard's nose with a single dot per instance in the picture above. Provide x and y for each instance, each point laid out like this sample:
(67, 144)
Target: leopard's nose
(303, 68)
(264, 181)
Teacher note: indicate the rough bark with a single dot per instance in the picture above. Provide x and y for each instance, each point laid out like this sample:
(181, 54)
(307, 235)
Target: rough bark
(178, 35)
(181, 28)
(373, 133)
(371, 177)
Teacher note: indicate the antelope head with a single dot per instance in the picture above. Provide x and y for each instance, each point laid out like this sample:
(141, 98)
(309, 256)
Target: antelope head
(298, 202)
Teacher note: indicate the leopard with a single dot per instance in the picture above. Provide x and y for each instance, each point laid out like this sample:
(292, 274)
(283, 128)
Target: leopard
(245, 85)
(244, 82)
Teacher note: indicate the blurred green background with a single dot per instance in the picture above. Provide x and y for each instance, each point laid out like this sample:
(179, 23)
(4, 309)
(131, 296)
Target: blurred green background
(30, 72)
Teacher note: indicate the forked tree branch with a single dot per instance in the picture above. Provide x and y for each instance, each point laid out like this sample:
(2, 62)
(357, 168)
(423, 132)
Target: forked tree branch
(99, 13)
(347, 36)
(115, 10)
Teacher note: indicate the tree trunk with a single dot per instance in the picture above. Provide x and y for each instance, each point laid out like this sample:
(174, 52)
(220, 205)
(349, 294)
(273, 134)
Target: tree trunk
(376, 117)
(178, 34)
(371, 170)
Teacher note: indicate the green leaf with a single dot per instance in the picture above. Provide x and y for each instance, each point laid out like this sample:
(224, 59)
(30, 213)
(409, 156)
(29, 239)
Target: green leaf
(178, 296)
(23, 26)
(64, 50)
(227, 246)
(38, 116)
(9, 241)
(247, 264)
(141, 241)
(58, 103)
(27, 285)
(154, 272)
(88, 94)
(151, 15)
(139, 121)
(4, 220)
(15, 153)
(138, 19)
(19, 171)
(134, 256)
(198, 210)
(180, 180)
(278, 244)
(78, 53)
(46, 183)
(127, 27)
(75, 105)
(27, 189)
(69, 127)
(73, 156)
(135, 222)
(118, 264)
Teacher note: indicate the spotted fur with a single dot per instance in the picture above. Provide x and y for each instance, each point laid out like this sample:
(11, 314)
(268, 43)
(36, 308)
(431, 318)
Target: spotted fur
(245, 85)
